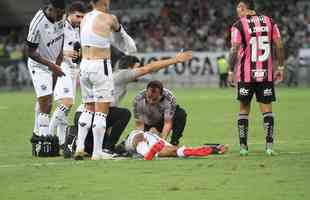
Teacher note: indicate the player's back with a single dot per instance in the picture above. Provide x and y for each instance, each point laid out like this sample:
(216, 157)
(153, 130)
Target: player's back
(88, 35)
(256, 34)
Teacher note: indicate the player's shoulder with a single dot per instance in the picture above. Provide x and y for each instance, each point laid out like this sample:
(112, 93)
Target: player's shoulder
(140, 96)
(38, 18)
(168, 94)
(237, 22)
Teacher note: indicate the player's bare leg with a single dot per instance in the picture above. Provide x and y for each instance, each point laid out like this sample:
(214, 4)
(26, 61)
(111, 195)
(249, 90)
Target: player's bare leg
(268, 119)
(243, 126)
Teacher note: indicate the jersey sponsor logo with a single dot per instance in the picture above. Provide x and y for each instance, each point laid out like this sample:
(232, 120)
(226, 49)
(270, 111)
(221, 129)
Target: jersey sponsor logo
(258, 29)
(244, 92)
(259, 73)
(256, 20)
(54, 40)
(268, 92)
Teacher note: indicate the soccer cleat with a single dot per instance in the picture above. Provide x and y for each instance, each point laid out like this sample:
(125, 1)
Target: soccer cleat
(67, 153)
(221, 149)
(270, 152)
(157, 147)
(244, 152)
(102, 156)
(79, 155)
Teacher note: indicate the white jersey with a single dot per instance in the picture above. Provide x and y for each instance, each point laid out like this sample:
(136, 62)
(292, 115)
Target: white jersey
(88, 36)
(47, 36)
(72, 35)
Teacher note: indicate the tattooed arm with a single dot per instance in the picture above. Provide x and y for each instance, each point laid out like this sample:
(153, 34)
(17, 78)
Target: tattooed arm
(233, 59)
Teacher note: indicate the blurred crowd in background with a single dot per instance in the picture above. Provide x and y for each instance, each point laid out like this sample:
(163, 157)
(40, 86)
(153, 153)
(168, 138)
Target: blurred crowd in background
(172, 25)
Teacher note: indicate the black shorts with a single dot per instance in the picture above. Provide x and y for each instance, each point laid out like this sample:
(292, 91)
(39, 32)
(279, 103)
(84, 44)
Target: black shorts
(264, 92)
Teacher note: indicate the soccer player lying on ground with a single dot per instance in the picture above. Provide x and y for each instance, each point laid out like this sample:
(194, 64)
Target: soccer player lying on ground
(149, 145)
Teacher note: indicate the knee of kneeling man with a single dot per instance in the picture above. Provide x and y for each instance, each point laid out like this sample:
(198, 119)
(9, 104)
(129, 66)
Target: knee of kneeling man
(127, 114)
(181, 114)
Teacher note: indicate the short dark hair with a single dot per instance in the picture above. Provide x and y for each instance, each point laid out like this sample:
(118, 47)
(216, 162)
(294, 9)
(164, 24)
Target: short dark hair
(61, 4)
(95, 1)
(77, 6)
(249, 3)
(126, 61)
(155, 85)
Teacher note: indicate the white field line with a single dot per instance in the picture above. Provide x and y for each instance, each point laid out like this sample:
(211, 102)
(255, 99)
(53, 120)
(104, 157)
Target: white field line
(4, 108)
(119, 159)
(305, 141)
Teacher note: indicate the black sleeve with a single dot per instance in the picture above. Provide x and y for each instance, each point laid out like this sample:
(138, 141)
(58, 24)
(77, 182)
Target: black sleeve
(31, 44)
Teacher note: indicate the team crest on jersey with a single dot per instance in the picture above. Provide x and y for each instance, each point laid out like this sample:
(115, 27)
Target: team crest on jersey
(46, 26)
(61, 25)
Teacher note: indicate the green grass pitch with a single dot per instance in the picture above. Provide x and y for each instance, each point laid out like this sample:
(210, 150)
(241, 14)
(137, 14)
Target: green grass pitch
(212, 115)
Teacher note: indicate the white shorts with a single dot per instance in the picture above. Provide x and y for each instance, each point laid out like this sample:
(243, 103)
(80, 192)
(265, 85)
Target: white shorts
(66, 85)
(151, 139)
(96, 81)
(42, 81)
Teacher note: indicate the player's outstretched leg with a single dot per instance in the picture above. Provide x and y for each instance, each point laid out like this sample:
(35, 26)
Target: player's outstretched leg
(198, 151)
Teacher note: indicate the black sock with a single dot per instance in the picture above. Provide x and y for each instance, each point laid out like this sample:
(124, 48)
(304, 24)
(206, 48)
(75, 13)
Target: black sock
(243, 124)
(268, 126)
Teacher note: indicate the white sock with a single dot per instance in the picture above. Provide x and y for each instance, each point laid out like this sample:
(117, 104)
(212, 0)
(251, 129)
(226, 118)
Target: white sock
(43, 121)
(180, 152)
(99, 127)
(84, 125)
(36, 118)
(59, 117)
(142, 148)
(61, 132)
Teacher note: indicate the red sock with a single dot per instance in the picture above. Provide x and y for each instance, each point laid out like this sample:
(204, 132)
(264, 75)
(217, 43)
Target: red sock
(157, 147)
(201, 151)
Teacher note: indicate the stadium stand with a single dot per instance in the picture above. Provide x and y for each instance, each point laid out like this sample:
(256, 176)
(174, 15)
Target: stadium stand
(168, 25)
